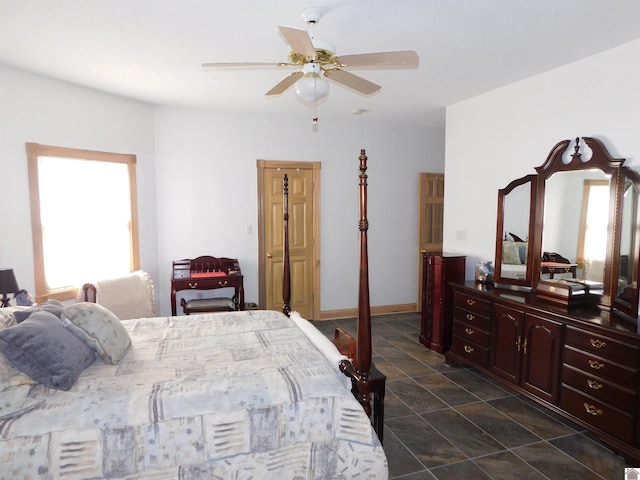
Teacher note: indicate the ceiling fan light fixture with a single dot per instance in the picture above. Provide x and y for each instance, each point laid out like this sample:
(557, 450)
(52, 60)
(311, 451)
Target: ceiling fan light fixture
(312, 86)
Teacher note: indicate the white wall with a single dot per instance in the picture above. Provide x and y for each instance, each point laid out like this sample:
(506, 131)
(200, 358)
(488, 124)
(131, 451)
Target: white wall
(502, 135)
(207, 194)
(40, 110)
(197, 184)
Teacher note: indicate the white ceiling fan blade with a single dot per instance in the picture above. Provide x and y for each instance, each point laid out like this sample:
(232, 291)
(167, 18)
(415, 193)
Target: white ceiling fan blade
(352, 81)
(285, 83)
(400, 58)
(244, 64)
(299, 41)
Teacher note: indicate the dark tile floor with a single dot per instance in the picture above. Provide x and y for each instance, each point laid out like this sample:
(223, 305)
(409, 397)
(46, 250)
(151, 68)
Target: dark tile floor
(445, 422)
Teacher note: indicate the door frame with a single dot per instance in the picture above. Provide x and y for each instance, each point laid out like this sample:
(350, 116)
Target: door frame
(422, 178)
(261, 166)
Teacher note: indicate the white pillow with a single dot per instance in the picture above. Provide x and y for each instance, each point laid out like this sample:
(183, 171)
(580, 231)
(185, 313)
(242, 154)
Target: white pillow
(510, 253)
(99, 328)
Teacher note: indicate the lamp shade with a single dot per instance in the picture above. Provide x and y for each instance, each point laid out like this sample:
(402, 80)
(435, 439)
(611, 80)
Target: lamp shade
(312, 86)
(8, 283)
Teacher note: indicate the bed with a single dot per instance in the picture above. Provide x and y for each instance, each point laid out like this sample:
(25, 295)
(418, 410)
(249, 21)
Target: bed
(232, 395)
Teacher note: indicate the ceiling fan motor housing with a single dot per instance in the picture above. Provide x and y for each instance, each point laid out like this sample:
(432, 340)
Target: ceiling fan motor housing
(325, 54)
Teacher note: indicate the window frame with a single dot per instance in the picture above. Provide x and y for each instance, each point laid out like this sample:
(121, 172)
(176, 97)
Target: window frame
(34, 151)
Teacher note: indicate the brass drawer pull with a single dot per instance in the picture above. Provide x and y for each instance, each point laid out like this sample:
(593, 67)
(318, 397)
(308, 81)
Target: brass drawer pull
(595, 385)
(598, 343)
(223, 283)
(592, 409)
(468, 349)
(469, 331)
(471, 301)
(193, 285)
(470, 317)
(596, 365)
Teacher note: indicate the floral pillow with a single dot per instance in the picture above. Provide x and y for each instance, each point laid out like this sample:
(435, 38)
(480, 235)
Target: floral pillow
(99, 328)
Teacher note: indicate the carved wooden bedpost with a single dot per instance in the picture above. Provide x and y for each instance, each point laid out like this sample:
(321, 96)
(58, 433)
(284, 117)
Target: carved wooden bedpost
(363, 349)
(286, 273)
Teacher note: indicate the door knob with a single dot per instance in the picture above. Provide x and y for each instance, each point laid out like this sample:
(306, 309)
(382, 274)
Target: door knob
(269, 255)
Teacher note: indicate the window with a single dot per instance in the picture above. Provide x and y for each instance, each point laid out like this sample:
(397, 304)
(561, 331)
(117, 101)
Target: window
(83, 217)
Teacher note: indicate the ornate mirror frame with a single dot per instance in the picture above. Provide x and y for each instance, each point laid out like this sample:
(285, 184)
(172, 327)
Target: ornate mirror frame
(622, 257)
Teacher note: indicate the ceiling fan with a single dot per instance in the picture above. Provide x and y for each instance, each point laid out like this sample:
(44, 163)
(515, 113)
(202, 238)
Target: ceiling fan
(318, 60)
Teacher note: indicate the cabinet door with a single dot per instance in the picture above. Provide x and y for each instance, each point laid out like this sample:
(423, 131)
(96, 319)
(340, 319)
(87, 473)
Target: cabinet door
(541, 357)
(506, 342)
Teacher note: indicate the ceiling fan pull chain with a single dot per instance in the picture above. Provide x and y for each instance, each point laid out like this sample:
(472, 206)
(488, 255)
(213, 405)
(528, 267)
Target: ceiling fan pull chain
(314, 120)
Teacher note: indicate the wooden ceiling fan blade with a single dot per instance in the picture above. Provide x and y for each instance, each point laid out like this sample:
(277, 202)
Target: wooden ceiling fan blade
(285, 83)
(352, 81)
(299, 41)
(399, 58)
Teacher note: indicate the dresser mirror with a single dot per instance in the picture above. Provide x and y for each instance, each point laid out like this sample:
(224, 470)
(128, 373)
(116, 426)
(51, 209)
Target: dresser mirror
(579, 218)
(625, 295)
(575, 225)
(515, 203)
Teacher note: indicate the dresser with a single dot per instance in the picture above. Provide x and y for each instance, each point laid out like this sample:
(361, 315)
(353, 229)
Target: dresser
(438, 270)
(580, 361)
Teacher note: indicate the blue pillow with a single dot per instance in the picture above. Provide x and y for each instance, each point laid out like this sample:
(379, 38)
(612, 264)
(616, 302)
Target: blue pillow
(52, 306)
(45, 350)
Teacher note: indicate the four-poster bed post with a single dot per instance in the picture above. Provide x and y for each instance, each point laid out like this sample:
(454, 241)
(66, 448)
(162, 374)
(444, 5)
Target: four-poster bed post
(360, 376)
(286, 273)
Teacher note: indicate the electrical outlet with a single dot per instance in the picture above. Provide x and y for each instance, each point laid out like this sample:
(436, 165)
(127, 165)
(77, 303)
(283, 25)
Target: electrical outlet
(248, 229)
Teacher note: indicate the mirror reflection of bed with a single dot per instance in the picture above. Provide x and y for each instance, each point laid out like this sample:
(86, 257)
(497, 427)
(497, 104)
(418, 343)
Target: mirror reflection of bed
(516, 228)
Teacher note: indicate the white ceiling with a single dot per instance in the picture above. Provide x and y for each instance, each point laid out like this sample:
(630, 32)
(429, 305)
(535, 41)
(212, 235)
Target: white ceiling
(152, 50)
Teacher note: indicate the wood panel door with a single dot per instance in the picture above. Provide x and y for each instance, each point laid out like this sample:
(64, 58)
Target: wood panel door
(541, 357)
(303, 232)
(430, 220)
(505, 358)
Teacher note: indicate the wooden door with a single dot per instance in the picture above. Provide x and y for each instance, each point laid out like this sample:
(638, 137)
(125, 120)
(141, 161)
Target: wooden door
(541, 357)
(430, 219)
(303, 229)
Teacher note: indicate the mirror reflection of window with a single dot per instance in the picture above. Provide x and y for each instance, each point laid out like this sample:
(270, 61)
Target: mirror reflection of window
(594, 221)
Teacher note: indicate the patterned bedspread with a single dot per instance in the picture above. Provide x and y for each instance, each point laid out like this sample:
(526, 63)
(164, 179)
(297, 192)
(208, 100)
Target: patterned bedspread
(239, 395)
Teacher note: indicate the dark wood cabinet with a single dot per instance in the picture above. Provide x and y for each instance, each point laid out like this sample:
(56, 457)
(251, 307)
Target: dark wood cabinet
(580, 361)
(506, 342)
(438, 270)
(541, 353)
(525, 350)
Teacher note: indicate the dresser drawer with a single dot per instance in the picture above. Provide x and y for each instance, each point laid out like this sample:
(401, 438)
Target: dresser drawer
(599, 388)
(599, 414)
(473, 303)
(603, 346)
(601, 367)
(471, 333)
(473, 352)
(472, 319)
